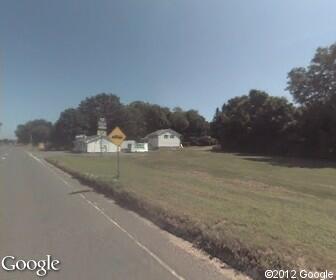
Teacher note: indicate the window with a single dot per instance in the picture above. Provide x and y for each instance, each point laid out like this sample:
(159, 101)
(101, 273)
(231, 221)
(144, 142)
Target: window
(172, 136)
(139, 145)
(166, 137)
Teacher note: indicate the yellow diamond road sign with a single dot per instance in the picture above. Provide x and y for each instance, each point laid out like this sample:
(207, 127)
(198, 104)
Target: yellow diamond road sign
(117, 136)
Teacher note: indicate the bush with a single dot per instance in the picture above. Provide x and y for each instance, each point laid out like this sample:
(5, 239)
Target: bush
(200, 141)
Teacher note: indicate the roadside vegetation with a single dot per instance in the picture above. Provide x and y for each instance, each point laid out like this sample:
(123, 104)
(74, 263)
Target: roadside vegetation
(261, 123)
(253, 212)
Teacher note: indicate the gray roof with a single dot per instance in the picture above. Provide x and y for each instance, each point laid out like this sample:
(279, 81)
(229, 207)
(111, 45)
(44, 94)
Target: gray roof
(163, 131)
(92, 138)
(89, 139)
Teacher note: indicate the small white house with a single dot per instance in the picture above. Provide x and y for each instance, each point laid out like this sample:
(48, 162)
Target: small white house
(127, 145)
(132, 146)
(94, 144)
(164, 138)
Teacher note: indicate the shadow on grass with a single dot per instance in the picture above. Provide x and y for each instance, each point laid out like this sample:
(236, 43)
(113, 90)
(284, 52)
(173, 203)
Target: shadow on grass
(283, 160)
(290, 162)
(80, 191)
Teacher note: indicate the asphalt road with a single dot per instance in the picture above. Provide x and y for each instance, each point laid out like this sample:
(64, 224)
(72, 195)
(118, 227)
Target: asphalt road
(43, 211)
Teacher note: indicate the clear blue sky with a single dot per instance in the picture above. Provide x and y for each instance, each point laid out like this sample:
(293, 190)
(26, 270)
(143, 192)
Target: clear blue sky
(194, 54)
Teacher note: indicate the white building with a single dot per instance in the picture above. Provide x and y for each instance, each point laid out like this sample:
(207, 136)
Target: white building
(94, 144)
(164, 138)
(132, 146)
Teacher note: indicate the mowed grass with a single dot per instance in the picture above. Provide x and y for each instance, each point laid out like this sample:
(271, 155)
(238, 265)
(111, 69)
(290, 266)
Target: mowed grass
(275, 208)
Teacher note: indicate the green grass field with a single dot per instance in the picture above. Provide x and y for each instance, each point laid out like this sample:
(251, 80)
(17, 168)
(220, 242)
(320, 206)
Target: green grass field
(276, 208)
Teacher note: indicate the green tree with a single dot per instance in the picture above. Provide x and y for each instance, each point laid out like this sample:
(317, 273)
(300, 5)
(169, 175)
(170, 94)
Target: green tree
(315, 84)
(34, 132)
(157, 117)
(215, 125)
(314, 88)
(178, 120)
(198, 126)
(102, 105)
(256, 122)
(70, 123)
(23, 134)
(136, 119)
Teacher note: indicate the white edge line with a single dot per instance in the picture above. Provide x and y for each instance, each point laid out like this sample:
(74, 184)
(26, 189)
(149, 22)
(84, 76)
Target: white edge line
(130, 236)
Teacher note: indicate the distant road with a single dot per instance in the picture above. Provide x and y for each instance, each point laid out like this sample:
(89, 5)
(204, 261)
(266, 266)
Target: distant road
(44, 211)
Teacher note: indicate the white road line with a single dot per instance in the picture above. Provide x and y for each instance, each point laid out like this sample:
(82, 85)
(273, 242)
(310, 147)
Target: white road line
(129, 235)
(48, 166)
(36, 158)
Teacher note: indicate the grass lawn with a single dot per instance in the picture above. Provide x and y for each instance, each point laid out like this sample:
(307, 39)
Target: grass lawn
(276, 208)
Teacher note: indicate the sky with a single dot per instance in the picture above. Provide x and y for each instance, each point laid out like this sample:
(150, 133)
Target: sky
(194, 54)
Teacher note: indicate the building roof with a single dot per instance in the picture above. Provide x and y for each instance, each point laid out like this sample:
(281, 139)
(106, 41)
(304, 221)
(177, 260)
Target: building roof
(163, 131)
(92, 138)
(89, 139)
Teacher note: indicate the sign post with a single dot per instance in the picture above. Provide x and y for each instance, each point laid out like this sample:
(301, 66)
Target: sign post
(118, 163)
(117, 137)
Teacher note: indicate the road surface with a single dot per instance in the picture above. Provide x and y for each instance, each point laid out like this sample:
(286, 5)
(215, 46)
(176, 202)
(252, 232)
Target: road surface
(46, 212)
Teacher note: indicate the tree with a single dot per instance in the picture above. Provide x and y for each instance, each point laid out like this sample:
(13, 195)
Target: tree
(315, 84)
(70, 123)
(314, 88)
(34, 132)
(102, 105)
(157, 117)
(146, 118)
(198, 126)
(255, 122)
(178, 120)
(23, 134)
(136, 119)
(135, 125)
(40, 131)
(215, 124)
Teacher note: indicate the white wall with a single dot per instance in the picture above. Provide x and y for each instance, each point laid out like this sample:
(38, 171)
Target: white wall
(108, 147)
(169, 142)
(140, 148)
(153, 142)
(124, 145)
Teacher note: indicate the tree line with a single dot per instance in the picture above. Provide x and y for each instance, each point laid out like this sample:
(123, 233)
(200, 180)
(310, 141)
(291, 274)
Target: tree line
(136, 119)
(258, 122)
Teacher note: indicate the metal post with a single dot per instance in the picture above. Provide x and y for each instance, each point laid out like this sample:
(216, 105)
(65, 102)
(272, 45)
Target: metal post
(118, 170)
(101, 145)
